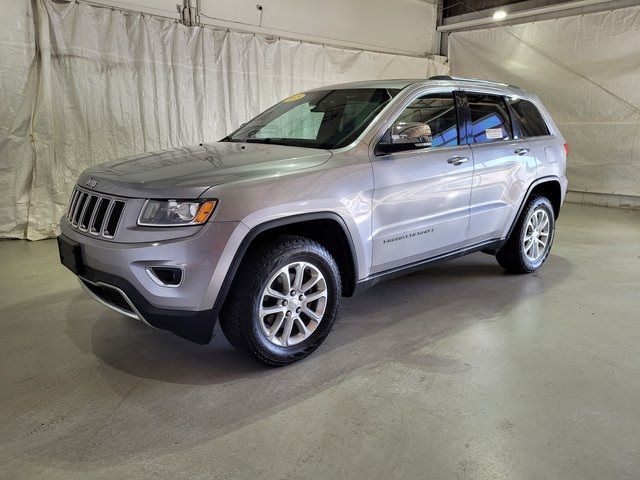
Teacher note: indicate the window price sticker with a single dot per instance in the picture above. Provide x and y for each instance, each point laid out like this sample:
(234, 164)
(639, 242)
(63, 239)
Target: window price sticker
(493, 133)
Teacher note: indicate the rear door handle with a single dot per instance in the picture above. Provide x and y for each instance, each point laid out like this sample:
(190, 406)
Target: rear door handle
(457, 160)
(521, 151)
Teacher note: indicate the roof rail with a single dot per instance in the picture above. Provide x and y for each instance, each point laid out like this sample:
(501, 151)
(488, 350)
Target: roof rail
(475, 80)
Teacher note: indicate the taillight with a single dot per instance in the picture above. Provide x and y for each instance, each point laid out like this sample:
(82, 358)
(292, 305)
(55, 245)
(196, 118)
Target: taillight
(566, 149)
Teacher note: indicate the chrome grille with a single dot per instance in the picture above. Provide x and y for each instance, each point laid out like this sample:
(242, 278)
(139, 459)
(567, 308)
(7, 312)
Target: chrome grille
(95, 214)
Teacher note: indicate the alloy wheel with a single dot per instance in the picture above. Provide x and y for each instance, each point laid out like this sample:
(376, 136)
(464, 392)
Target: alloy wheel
(293, 304)
(536, 235)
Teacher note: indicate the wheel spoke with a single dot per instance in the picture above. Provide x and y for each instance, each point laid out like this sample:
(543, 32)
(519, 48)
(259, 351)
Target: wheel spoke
(310, 283)
(275, 294)
(286, 333)
(276, 326)
(545, 223)
(315, 296)
(264, 311)
(286, 279)
(311, 313)
(303, 328)
(299, 275)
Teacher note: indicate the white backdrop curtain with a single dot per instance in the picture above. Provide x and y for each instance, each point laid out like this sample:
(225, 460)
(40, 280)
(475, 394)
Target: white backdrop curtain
(81, 85)
(586, 70)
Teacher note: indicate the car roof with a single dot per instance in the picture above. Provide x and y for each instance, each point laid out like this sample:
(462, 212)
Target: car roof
(399, 84)
(438, 79)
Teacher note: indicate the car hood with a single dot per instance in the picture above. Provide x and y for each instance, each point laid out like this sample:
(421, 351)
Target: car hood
(187, 172)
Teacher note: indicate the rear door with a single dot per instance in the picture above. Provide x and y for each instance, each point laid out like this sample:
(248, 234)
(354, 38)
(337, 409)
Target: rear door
(421, 196)
(504, 167)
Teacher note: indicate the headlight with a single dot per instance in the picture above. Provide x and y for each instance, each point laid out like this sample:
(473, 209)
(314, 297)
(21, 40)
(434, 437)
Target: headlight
(175, 213)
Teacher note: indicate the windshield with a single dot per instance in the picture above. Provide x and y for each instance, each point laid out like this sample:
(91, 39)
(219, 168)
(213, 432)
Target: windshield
(319, 119)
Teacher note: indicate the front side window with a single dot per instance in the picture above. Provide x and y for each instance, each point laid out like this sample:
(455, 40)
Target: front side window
(319, 119)
(430, 120)
(528, 117)
(489, 118)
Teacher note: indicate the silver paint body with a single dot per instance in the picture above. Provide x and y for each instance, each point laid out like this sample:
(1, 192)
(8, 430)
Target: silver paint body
(399, 208)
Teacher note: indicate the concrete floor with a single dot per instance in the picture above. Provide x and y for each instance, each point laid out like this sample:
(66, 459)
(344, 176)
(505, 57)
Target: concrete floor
(459, 371)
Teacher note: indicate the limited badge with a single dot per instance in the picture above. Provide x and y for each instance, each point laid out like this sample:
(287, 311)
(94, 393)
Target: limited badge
(294, 98)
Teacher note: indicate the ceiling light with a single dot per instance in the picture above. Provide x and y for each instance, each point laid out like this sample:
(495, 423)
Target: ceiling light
(499, 15)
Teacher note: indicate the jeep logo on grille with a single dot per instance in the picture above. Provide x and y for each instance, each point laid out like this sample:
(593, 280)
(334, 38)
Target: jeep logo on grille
(92, 182)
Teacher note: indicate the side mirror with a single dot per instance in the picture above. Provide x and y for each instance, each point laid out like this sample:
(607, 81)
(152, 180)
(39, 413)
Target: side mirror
(403, 136)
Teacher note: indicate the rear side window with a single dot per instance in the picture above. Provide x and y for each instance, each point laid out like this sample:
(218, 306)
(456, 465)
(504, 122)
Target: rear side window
(489, 118)
(528, 117)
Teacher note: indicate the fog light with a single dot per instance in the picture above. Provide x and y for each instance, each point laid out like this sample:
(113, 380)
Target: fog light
(166, 276)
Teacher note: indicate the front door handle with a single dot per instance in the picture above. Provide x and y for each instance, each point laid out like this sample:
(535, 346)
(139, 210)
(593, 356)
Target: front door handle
(457, 160)
(521, 151)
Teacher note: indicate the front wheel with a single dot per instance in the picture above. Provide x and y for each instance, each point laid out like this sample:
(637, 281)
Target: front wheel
(284, 300)
(529, 244)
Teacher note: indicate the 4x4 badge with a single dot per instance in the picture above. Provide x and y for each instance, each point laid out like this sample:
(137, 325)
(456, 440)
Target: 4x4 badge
(92, 182)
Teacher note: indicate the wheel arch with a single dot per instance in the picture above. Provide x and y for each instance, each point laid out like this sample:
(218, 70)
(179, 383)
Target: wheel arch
(549, 187)
(327, 228)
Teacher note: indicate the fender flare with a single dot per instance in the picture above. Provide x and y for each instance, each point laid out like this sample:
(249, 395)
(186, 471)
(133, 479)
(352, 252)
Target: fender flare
(269, 225)
(534, 184)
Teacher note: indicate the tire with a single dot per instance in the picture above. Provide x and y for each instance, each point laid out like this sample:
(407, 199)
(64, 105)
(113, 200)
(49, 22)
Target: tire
(537, 218)
(257, 320)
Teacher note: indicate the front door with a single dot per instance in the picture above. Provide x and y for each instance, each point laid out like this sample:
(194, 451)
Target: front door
(421, 195)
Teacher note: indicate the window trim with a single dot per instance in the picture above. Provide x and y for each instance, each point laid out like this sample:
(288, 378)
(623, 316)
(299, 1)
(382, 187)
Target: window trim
(516, 126)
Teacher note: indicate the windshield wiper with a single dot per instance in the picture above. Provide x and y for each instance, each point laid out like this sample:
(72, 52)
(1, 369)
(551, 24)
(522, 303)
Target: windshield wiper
(268, 140)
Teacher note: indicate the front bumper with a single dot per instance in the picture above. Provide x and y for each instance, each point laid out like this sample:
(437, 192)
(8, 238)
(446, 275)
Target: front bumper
(119, 295)
(115, 274)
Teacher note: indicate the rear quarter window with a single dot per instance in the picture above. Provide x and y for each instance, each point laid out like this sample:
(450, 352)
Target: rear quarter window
(528, 117)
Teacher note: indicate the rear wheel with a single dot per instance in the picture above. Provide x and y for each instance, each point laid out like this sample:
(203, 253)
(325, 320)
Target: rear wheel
(284, 300)
(530, 241)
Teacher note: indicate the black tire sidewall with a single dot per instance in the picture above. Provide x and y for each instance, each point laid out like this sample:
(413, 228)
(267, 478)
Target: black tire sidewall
(257, 340)
(539, 202)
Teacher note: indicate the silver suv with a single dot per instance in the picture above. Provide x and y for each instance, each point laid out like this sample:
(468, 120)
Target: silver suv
(323, 194)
